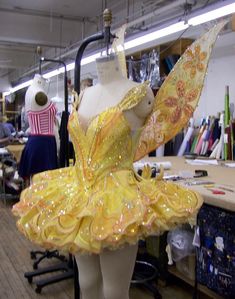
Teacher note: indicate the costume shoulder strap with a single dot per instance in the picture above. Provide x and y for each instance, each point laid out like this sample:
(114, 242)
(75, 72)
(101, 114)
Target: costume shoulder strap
(133, 96)
(77, 99)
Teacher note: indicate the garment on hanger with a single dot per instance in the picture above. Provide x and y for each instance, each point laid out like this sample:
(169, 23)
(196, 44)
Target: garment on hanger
(62, 135)
(101, 202)
(40, 152)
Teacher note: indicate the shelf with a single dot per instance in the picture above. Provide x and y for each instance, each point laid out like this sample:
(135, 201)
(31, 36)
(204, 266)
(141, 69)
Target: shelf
(172, 270)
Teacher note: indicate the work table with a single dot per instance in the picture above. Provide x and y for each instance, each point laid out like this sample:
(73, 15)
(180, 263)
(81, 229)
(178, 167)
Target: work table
(218, 174)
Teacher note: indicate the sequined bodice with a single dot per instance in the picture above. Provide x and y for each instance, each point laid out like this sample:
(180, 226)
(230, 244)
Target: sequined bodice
(108, 144)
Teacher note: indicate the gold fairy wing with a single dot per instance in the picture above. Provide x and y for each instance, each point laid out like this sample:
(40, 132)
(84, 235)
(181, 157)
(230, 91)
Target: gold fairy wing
(178, 96)
(118, 48)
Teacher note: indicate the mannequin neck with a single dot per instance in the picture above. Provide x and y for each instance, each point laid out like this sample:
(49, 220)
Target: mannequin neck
(108, 70)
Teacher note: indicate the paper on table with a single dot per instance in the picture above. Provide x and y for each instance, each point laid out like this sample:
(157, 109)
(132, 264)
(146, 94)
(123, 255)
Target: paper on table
(140, 164)
(230, 165)
(202, 162)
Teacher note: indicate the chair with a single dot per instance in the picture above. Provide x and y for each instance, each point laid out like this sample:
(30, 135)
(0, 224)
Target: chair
(45, 254)
(65, 266)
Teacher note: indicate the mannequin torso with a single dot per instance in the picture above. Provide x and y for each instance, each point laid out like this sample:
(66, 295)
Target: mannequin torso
(109, 92)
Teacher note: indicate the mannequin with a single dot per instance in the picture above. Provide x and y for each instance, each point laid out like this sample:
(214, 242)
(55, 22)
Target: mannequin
(108, 274)
(40, 151)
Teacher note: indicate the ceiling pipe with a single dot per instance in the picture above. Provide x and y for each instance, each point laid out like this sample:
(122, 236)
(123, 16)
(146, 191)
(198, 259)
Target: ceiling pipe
(45, 14)
(28, 43)
(156, 12)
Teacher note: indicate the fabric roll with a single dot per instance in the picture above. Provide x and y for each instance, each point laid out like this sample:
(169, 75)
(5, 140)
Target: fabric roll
(185, 141)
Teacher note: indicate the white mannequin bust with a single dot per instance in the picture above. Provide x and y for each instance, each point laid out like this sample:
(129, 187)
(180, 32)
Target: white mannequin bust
(37, 88)
(110, 90)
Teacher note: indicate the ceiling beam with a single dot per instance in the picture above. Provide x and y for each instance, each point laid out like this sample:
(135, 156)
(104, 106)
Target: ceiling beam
(30, 43)
(10, 66)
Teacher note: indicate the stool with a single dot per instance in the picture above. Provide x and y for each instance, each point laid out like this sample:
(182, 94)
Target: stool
(145, 274)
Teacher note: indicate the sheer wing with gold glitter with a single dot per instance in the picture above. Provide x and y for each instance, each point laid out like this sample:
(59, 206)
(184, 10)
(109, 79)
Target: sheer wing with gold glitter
(179, 95)
(118, 48)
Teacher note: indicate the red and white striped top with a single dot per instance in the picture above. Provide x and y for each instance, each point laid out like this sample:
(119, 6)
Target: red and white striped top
(42, 122)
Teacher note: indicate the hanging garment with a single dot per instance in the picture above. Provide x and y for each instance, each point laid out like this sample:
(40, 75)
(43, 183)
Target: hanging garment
(40, 152)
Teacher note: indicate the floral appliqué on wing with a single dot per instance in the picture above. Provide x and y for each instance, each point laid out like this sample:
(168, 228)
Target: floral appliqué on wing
(195, 61)
(182, 102)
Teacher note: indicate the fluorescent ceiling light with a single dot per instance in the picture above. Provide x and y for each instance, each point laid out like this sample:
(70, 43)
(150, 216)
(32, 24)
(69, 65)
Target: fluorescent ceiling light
(18, 87)
(90, 59)
(180, 26)
(6, 93)
(156, 35)
(212, 15)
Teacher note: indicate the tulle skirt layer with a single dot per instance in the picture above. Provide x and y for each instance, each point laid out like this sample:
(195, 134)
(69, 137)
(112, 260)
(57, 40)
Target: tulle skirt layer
(56, 212)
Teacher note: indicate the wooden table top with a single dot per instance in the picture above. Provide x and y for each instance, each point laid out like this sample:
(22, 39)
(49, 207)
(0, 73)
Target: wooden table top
(220, 175)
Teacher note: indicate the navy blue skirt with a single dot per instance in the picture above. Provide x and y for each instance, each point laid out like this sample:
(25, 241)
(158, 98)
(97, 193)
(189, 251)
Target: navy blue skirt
(38, 155)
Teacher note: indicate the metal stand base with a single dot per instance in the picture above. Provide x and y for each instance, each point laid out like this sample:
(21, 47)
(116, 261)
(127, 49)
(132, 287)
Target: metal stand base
(65, 267)
(145, 275)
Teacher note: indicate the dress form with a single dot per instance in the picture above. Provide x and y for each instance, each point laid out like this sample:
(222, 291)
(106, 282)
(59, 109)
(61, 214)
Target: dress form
(38, 87)
(99, 275)
(39, 153)
(109, 92)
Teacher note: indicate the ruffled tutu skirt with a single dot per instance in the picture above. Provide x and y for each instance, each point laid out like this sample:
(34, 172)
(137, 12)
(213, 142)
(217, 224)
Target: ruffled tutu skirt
(56, 212)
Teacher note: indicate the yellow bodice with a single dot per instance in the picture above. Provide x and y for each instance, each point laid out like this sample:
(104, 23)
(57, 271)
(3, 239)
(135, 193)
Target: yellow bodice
(108, 145)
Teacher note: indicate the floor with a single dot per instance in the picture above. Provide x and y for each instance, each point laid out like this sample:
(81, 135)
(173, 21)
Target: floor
(15, 260)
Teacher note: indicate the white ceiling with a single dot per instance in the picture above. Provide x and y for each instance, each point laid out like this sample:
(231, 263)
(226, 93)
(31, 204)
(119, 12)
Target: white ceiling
(65, 7)
(58, 25)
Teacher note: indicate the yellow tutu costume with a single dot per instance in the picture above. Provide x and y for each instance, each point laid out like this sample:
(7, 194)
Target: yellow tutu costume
(100, 202)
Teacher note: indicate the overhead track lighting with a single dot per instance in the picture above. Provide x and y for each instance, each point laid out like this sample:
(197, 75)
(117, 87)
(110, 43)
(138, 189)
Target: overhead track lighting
(213, 14)
(227, 8)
